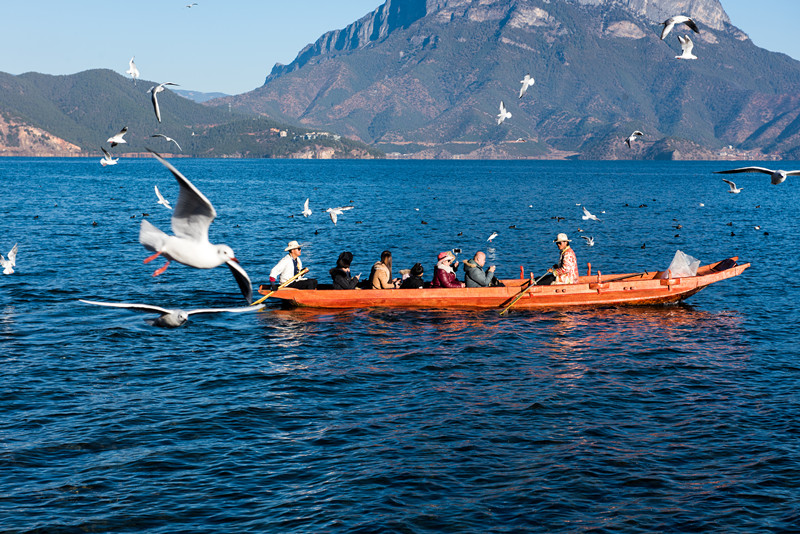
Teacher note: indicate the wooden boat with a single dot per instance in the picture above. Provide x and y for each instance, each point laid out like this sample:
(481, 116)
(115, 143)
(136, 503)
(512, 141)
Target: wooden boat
(632, 289)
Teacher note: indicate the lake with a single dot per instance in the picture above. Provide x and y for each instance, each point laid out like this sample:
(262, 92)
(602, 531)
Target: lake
(663, 419)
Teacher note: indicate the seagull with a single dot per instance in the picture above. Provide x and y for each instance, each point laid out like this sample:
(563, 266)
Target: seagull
(686, 46)
(132, 70)
(504, 114)
(586, 216)
(335, 212)
(777, 177)
(680, 19)
(153, 92)
(306, 209)
(491, 237)
(107, 159)
(169, 318)
(168, 139)
(8, 264)
(191, 218)
(589, 240)
(733, 188)
(526, 82)
(117, 139)
(632, 137)
(161, 200)
(192, 4)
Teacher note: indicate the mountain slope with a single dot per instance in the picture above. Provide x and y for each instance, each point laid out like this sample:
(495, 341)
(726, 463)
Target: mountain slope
(427, 77)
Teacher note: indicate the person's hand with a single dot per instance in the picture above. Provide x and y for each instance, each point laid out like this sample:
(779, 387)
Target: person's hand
(272, 286)
(491, 269)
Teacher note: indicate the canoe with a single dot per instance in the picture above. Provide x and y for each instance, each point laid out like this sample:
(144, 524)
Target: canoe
(631, 289)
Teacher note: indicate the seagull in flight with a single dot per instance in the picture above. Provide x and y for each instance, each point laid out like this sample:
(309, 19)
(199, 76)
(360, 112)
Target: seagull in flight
(169, 318)
(117, 139)
(132, 70)
(107, 159)
(189, 245)
(307, 210)
(588, 216)
(632, 137)
(526, 82)
(192, 4)
(679, 19)
(733, 188)
(153, 92)
(504, 114)
(169, 139)
(776, 177)
(589, 240)
(491, 237)
(9, 264)
(335, 212)
(686, 46)
(161, 200)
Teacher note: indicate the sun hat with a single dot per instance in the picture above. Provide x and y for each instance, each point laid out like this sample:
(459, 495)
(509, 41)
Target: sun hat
(292, 245)
(562, 237)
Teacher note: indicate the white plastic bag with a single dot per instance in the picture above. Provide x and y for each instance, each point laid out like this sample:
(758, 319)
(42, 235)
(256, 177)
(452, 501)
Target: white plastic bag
(682, 265)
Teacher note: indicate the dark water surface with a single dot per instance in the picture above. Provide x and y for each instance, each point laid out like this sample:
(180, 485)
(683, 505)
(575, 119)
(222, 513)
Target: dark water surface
(677, 419)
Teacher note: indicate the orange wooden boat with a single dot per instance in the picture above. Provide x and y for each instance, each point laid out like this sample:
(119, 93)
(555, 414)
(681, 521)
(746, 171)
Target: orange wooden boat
(633, 289)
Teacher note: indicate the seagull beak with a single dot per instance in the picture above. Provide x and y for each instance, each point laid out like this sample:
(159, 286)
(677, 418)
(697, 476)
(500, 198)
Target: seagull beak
(234, 259)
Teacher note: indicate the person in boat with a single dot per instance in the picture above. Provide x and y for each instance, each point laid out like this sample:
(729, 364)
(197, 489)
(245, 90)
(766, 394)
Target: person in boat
(381, 275)
(414, 280)
(341, 273)
(289, 266)
(566, 270)
(444, 274)
(474, 275)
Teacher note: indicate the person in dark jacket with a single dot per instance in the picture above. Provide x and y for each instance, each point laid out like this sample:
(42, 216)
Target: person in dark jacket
(475, 275)
(414, 280)
(341, 273)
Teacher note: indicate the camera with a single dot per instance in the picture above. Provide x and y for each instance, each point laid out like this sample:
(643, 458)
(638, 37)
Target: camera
(456, 251)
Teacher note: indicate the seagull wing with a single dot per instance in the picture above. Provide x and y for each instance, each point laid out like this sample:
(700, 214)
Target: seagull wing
(668, 25)
(637, 132)
(792, 173)
(305, 205)
(108, 156)
(154, 100)
(242, 279)
(746, 169)
(12, 255)
(731, 184)
(333, 213)
(193, 212)
(689, 22)
(130, 306)
(686, 45)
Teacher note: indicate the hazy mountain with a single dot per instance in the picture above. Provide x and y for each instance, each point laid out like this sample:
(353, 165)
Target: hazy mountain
(427, 77)
(75, 114)
(198, 96)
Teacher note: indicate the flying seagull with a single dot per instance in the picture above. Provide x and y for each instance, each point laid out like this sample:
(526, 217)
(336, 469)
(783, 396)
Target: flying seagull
(169, 139)
(632, 137)
(161, 200)
(107, 159)
(679, 19)
(491, 237)
(686, 46)
(132, 70)
(117, 139)
(335, 212)
(776, 177)
(526, 82)
(589, 240)
(153, 92)
(504, 114)
(191, 218)
(192, 4)
(587, 216)
(9, 264)
(733, 188)
(306, 209)
(169, 318)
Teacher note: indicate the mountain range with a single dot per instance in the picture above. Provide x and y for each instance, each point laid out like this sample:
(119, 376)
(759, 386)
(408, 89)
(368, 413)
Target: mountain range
(424, 78)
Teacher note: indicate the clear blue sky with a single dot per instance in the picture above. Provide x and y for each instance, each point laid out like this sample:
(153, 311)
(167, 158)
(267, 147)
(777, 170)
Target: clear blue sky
(230, 46)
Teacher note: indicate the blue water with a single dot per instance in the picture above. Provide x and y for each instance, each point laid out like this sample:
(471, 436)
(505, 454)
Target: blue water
(677, 419)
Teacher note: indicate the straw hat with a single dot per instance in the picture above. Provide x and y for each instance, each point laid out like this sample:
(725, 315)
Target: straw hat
(292, 245)
(561, 238)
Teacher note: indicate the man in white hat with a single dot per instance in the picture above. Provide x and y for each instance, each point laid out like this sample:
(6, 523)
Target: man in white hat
(289, 266)
(566, 270)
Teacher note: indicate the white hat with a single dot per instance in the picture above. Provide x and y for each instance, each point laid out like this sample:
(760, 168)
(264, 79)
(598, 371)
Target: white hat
(292, 245)
(562, 237)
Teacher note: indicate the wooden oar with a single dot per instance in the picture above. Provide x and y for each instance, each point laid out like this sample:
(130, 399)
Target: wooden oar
(522, 294)
(286, 283)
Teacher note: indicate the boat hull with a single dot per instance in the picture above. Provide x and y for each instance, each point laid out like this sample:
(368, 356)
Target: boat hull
(632, 289)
